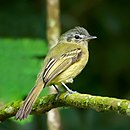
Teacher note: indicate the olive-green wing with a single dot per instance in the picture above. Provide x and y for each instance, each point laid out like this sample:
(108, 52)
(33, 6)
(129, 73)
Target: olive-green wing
(56, 66)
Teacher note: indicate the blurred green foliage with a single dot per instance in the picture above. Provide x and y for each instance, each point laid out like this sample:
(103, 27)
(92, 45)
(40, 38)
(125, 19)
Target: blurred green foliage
(20, 62)
(107, 72)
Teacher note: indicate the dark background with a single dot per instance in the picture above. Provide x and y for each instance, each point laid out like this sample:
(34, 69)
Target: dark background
(106, 74)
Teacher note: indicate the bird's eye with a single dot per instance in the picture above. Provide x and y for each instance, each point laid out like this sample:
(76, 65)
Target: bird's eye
(77, 37)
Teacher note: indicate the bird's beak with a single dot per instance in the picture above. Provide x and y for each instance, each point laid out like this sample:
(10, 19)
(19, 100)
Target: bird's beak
(89, 37)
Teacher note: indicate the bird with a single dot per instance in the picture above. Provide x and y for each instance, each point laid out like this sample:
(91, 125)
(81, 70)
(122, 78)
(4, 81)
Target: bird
(61, 65)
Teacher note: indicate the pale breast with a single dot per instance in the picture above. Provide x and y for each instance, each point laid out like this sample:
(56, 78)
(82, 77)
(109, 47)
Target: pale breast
(74, 69)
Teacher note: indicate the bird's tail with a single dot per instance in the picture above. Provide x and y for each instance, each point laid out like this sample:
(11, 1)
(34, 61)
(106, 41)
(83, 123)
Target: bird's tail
(26, 107)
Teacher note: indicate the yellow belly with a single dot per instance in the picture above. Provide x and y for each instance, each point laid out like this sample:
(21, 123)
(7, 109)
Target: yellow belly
(75, 68)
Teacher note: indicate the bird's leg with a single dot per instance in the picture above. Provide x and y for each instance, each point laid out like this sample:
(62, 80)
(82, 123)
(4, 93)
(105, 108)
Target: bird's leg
(55, 86)
(68, 90)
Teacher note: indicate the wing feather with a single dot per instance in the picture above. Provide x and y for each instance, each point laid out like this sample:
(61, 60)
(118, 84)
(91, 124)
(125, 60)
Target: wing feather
(60, 64)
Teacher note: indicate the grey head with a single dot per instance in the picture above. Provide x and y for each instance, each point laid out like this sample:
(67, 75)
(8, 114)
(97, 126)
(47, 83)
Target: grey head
(78, 35)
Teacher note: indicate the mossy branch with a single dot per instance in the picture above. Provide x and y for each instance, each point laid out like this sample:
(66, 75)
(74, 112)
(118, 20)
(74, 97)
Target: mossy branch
(77, 100)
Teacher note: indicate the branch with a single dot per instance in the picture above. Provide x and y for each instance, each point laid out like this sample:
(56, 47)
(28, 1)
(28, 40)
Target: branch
(77, 100)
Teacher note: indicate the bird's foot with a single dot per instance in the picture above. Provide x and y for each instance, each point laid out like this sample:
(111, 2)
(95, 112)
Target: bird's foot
(69, 92)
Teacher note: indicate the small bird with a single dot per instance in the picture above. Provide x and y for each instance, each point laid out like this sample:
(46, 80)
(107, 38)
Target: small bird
(62, 63)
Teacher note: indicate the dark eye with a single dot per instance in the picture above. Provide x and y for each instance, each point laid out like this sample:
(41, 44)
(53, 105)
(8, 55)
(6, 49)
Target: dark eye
(77, 37)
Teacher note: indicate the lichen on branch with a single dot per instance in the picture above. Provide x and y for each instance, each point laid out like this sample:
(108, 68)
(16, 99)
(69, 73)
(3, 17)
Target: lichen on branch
(77, 100)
